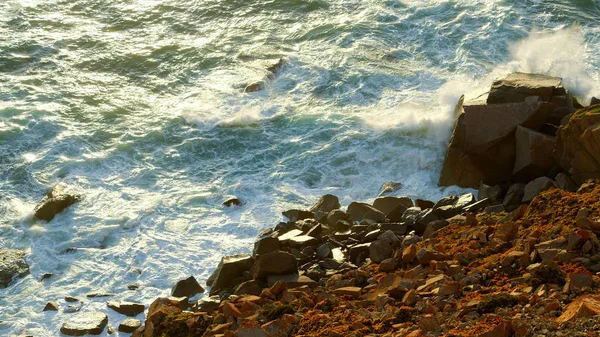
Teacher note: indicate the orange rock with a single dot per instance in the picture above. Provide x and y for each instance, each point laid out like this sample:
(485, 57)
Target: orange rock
(409, 253)
(348, 291)
(416, 333)
(428, 323)
(278, 328)
(228, 309)
(581, 307)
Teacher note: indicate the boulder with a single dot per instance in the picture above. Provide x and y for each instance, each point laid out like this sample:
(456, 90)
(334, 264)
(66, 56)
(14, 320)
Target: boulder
(387, 204)
(336, 215)
(359, 211)
(12, 265)
(233, 201)
(535, 187)
(533, 155)
(517, 87)
(388, 188)
(129, 325)
(188, 287)
(274, 263)
(51, 306)
(578, 145)
(493, 193)
(86, 323)
(594, 101)
(434, 226)
(291, 280)
(230, 268)
(326, 204)
(298, 214)
(252, 287)
(514, 196)
(380, 250)
(266, 245)
(565, 183)
(126, 308)
(59, 198)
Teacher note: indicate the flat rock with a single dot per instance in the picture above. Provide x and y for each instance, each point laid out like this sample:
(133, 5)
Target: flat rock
(126, 308)
(59, 198)
(516, 87)
(129, 325)
(86, 323)
(12, 265)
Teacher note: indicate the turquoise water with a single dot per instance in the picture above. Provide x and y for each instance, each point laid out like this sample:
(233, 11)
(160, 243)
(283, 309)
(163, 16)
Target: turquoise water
(140, 106)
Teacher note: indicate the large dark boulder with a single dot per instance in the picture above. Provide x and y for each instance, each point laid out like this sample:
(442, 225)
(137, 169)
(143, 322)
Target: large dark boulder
(533, 155)
(578, 145)
(59, 198)
(359, 211)
(274, 263)
(86, 323)
(12, 265)
(326, 204)
(230, 268)
(517, 87)
(387, 204)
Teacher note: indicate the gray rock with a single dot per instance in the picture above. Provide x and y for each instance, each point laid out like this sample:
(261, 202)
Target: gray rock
(188, 287)
(533, 154)
(493, 193)
(324, 251)
(410, 215)
(59, 198)
(537, 186)
(387, 204)
(514, 196)
(92, 323)
(564, 182)
(12, 265)
(380, 250)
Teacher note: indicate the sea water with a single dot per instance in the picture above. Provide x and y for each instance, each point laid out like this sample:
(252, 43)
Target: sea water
(139, 105)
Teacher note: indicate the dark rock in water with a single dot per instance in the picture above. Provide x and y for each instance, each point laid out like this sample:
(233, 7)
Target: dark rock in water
(256, 86)
(94, 295)
(59, 198)
(493, 193)
(92, 323)
(275, 68)
(71, 299)
(230, 268)
(46, 276)
(126, 308)
(326, 204)
(516, 87)
(388, 204)
(133, 286)
(297, 214)
(266, 245)
(274, 263)
(51, 306)
(389, 187)
(232, 202)
(12, 265)
(273, 72)
(188, 287)
(129, 325)
(359, 211)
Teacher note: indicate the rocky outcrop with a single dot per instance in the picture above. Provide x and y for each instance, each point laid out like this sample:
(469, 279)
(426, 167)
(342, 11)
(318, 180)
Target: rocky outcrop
(506, 136)
(12, 265)
(272, 73)
(87, 323)
(578, 145)
(59, 198)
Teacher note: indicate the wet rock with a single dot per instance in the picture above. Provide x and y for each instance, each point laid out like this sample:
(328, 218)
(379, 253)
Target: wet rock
(51, 306)
(388, 188)
(517, 87)
(230, 268)
(92, 323)
(126, 308)
(274, 263)
(535, 187)
(188, 287)
(232, 202)
(129, 325)
(59, 198)
(12, 265)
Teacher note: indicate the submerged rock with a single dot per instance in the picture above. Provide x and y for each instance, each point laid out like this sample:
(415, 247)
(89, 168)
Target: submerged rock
(92, 323)
(59, 198)
(12, 265)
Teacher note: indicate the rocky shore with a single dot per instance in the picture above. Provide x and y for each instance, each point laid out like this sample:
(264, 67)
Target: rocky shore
(520, 258)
